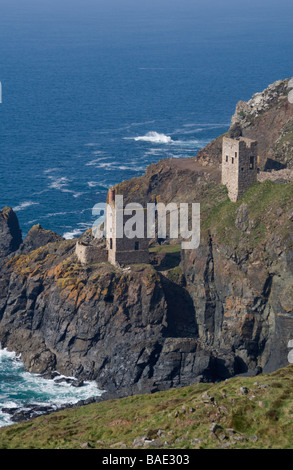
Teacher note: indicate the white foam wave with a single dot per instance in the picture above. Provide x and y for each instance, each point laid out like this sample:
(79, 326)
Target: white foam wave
(154, 137)
(24, 205)
(32, 389)
(94, 184)
(5, 354)
(59, 183)
(96, 161)
(50, 170)
(73, 234)
(83, 226)
(134, 168)
(105, 164)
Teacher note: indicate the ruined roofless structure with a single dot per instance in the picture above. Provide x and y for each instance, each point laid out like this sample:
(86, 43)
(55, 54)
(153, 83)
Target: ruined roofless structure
(239, 172)
(124, 250)
(239, 165)
(114, 249)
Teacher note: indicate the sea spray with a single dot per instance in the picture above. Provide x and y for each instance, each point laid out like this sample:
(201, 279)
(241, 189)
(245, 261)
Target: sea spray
(154, 137)
(21, 390)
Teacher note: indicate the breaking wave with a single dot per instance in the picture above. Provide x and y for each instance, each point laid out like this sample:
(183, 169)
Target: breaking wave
(20, 388)
(24, 205)
(154, 137)
(73, 234)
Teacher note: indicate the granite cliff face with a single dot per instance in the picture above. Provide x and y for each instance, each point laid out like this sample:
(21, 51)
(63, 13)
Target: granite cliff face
(268, 118)
(97, 322)
(205, 314)
(10, 233)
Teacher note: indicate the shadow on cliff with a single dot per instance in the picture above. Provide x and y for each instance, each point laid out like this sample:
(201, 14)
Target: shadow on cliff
(180, 311)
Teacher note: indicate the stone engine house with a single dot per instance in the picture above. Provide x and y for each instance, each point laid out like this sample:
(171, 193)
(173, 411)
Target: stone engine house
(239, 165)
(239, 172)
(124, 250)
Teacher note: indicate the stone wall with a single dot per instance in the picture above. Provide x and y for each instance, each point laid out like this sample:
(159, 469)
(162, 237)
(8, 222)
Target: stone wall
(230, 166)
(122, 249)
(239, 172)
(132, 257)
(90, 253)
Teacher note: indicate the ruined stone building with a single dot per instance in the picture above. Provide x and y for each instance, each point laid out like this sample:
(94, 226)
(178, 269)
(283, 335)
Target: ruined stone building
(115, 247)
(121, 248)
(90, 249)
(239, 165)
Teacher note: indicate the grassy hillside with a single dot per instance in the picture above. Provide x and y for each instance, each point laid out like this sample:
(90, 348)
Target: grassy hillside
(237, 413)
(267, 205)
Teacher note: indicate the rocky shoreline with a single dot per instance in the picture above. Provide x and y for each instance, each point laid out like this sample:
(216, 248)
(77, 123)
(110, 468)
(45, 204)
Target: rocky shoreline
(189, 316)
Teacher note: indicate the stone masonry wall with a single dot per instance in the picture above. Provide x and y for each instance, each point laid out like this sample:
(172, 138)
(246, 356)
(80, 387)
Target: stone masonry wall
(88, 254)
(237, 172)
(247, 172)
(230, 166)
(125, 250)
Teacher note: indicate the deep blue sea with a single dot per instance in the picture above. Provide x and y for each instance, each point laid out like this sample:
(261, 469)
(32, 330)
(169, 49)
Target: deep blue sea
(93, 91)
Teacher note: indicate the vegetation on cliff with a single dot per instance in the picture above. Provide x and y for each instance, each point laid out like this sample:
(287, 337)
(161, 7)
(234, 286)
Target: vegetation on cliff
(193, 315)
(239, 413)
(264, 210)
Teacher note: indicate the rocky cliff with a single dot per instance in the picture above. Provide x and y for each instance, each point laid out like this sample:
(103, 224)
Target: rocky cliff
(97, 322)
(268, 118)
(205, 314)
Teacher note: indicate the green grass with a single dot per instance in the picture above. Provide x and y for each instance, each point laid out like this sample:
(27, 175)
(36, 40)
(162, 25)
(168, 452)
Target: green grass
(175, 274)
(165, 249)
(177, 418)
(263, 200)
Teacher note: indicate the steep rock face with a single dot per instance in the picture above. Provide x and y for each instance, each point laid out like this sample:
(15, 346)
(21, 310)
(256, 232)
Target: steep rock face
(10, 233)
(243, 308)
(226, 309)
(38, 237)
(97, 322)
(268, 118)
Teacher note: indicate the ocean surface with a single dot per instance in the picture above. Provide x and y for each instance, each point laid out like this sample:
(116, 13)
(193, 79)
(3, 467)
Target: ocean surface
(21, 389)
(94, 91)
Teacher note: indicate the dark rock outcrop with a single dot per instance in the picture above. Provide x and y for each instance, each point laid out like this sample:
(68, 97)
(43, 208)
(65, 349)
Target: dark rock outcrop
(97, 322)
(10, 233)
(225, 310)
(235, 131)
(268, 118)
(38, 237)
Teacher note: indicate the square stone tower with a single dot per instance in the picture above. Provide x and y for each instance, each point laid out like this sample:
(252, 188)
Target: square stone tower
(239, 165)
(122, 249)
